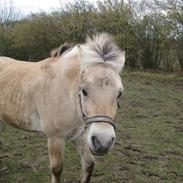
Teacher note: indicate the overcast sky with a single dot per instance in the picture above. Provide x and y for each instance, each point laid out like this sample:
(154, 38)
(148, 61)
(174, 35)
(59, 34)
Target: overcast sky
(28, 6)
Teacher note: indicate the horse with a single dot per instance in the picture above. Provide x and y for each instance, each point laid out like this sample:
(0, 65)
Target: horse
(72, 95)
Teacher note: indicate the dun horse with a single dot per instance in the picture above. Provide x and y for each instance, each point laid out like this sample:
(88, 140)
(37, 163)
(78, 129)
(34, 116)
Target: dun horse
(73, 95)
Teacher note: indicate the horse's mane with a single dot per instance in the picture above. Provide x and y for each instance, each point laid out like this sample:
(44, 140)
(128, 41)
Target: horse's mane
(104, 45)
(61, 49)
(102, 48)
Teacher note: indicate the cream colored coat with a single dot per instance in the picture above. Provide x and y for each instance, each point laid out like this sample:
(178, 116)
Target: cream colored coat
(44, 97)
(40, 96)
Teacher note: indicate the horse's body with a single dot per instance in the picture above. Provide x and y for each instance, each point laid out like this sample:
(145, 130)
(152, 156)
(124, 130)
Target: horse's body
(37, 96)
(44, 97)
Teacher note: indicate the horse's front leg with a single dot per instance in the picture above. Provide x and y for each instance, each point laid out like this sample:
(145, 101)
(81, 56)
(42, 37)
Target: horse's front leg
(87, 160)
(56, 153)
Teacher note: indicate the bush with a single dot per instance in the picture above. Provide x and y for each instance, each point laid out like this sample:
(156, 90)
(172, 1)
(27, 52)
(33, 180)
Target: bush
(151, 32)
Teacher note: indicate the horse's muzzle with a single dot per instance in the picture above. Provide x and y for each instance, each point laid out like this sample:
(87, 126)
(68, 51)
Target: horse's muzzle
(98, 148)
(101, 134)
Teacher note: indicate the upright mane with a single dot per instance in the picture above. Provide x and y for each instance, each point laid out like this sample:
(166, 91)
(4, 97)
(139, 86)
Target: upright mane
(61, 49)
(101, 48)
(104, 46)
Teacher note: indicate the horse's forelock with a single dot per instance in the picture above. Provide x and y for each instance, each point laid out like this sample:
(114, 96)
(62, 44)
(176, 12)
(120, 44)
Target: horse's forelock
(104, 45)
(101, 48)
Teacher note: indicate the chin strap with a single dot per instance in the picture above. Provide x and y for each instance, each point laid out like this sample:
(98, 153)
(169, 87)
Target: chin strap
(97, 118)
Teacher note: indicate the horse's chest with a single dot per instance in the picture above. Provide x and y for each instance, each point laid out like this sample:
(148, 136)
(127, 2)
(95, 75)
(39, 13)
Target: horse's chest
(35, 121)
(75, 133)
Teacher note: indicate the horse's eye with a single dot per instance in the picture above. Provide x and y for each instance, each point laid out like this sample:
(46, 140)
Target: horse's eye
(84, 92)
(119, 95)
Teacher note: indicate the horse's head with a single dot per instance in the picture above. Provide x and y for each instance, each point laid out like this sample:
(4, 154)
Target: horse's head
(100, 90)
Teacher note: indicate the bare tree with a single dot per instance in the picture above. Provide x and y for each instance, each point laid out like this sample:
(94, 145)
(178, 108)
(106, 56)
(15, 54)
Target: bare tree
(8, 13)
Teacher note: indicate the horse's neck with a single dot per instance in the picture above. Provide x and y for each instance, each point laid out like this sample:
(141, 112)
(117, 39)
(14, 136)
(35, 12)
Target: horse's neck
(67, 71)
(70, 74)
(63, 86)
(70, 68)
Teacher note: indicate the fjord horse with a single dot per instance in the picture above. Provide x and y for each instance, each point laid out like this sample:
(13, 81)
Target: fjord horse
(72, 95)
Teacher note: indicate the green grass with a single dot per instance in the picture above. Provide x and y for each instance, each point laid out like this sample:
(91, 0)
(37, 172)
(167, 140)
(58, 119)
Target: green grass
(149, 146)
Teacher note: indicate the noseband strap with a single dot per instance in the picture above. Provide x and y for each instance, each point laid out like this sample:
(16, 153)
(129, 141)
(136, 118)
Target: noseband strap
(100, 119)
(96, 119)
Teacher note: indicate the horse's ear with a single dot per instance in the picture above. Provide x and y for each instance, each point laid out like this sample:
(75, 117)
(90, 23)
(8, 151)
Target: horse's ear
(119, 62)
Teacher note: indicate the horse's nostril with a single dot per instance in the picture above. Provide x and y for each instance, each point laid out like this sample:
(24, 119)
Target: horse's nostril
(110, 142)
(93, 138)
(94, 141)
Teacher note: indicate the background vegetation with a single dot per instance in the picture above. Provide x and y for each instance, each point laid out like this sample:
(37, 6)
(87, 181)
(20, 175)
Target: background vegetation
(150, 31)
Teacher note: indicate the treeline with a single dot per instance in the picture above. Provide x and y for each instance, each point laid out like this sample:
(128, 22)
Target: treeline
(150, 31)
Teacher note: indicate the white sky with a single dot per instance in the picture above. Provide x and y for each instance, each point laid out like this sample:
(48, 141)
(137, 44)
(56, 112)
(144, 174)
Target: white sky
(28, 6)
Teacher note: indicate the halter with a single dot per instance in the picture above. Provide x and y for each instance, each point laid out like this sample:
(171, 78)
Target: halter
(97, 118)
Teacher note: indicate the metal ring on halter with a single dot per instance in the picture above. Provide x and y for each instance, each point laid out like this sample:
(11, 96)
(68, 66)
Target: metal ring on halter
(97, 118)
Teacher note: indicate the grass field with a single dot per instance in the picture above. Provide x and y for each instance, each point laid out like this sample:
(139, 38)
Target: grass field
(149, 146)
